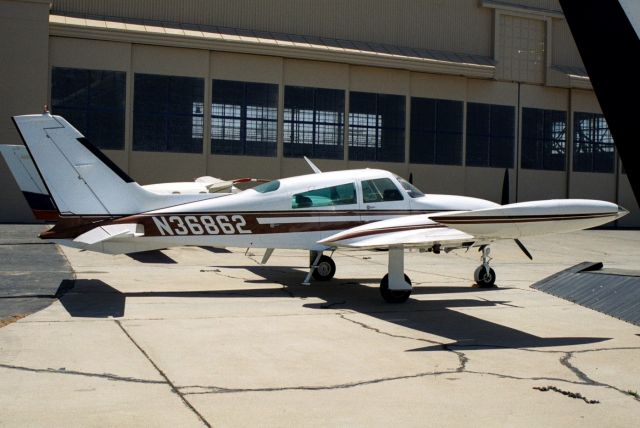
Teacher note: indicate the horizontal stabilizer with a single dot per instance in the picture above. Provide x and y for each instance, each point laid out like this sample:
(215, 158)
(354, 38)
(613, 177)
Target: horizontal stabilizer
(104, 233)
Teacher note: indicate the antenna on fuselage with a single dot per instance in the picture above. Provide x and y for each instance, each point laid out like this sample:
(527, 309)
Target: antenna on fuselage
(312, 165)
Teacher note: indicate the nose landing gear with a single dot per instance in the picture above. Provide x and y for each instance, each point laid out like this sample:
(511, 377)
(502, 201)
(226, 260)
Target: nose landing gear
(484, 275)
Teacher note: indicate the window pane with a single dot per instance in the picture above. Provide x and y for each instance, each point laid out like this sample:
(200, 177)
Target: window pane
(313, 122)
(593, 149)
(168, 113)
(490, 135)
(376, 127)
(436, 131)
(343, 194)
(543, 139)
(93, 101)
(244, 118)
(380, 190)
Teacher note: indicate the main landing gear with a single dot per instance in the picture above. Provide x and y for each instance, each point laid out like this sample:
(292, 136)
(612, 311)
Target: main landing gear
(484, 276)
(395, 287)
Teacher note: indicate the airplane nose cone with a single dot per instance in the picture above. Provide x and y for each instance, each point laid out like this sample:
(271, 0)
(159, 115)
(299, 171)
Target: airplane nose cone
(622, 211)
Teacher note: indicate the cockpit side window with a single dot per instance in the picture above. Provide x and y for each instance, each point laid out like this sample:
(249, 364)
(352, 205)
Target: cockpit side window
(343, 194)
(380, 190)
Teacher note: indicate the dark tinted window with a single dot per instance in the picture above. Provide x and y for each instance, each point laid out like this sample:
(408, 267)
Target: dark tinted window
(593, 149)
(244, 118)
(93, 101)
(376, 127)
(313, 122)
(544, 138)
(436, 131)
(168, 113)
(490, 135)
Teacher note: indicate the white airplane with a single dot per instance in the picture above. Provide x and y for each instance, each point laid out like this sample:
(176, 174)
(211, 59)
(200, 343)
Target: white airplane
(102, 209)
(35, 192)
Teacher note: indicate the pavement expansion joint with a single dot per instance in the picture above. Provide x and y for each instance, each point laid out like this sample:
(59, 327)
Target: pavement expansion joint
(168, 381)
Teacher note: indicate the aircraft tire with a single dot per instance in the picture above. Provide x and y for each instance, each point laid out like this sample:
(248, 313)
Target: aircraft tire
(483, 279)
(394, 296)
(325, 270)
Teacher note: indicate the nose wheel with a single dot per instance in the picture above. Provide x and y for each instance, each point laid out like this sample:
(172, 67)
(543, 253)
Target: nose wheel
(484, 275)
(325, 269)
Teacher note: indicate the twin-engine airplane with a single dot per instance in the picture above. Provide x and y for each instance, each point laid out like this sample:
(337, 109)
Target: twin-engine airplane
(102, 209)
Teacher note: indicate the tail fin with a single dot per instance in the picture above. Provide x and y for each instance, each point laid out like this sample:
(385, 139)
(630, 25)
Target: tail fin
(29, 181)
(81, 179)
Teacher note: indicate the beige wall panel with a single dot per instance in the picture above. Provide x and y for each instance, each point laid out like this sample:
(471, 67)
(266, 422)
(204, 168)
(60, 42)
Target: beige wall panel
(563, 48)
(458, 26)
(24, 44)
(628, 200)
(492, 92)
(486, 183)
(397, 168)
(535, 185)
(438, 86)
(380, 80)
(148, 167)
(298, 166)
(230, 167)
(170, 61)
(249, 68)
(439, 179)
(90, 54)
(592, 185)
(119, 157)
(584, 101)
(316, 74)
(544, 97)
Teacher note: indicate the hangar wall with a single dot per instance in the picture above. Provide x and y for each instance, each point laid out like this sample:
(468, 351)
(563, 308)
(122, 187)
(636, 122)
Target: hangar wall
(75, 43)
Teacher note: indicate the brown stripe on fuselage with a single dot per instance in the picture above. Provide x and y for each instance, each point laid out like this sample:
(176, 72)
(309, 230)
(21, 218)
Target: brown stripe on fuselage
(71, 227)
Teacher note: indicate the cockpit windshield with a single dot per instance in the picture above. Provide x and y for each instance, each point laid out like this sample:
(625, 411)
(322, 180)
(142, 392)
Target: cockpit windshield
(412, 190)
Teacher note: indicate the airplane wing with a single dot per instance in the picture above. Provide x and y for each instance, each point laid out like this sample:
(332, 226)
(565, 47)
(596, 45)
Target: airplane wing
(456, 229)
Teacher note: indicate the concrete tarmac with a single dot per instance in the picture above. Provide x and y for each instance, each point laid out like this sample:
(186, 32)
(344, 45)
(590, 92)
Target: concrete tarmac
(206, 337)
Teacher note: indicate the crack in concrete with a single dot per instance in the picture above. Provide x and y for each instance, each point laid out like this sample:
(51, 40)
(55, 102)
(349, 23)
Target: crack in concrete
(575, 395)
(64, 371)
(174, 389)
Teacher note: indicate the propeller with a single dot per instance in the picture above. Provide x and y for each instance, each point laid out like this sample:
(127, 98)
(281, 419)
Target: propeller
(505, 201)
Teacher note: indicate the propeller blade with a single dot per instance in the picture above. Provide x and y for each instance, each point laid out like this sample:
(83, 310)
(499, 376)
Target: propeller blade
(505, 188)
(524, 249)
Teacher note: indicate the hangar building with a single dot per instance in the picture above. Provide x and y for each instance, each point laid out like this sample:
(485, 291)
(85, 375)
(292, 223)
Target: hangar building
(450, 92)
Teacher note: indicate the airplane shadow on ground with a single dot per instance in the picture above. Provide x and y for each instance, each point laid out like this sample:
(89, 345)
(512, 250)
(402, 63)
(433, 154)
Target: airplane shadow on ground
(96, 299)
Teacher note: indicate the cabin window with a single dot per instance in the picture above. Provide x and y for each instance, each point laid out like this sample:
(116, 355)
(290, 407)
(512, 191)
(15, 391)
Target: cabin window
(268, 187)
(167, 113)
(93, 101)
(244, 118)
(380, 190)
(343, 194)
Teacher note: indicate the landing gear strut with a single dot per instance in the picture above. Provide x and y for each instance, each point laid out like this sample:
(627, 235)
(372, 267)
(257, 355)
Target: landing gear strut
(484, 276)
(395, 287)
